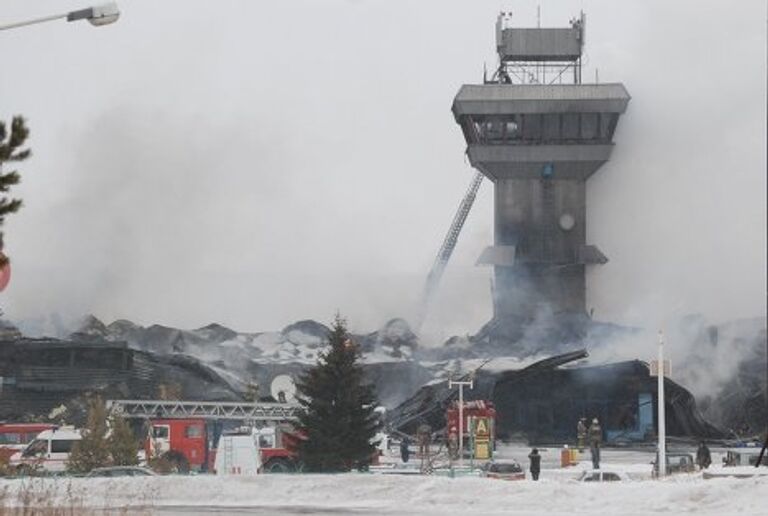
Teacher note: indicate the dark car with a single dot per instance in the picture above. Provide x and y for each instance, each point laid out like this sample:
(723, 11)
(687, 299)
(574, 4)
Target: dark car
(600, 475)
(122, 471)
(676, 463)
(504, 471)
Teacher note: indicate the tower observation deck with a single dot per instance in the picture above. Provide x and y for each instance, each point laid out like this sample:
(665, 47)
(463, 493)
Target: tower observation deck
(538, 133)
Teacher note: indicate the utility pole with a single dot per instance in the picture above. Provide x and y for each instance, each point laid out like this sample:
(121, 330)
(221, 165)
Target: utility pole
(762, 458)
(662, 460)
(461, 385)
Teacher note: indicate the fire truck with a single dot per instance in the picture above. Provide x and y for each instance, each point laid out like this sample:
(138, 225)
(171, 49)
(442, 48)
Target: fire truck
(479, 421)
(186, 433)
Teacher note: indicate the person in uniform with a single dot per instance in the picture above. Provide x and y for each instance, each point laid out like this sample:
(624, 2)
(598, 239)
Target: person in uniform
(535, 459)
(405, 452)
(453, 443)
(595, 440)
(703, 457)
(581, 433)
(424, 434)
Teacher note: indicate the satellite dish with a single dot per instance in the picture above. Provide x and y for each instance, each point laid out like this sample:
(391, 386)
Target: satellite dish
(283, 389)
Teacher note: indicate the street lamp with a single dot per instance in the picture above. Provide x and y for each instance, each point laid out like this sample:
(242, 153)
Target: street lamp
(99, 15)
(461, 384)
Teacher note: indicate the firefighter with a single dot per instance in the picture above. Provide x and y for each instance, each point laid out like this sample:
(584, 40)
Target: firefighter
(581, 433)
(595, 439)
(703, 457)
(424, 434)
(405, 452)
(535, 459)
(453, 443)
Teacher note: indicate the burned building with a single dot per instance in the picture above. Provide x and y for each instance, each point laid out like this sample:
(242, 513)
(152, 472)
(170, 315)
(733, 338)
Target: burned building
(543, 402)
(37, 375)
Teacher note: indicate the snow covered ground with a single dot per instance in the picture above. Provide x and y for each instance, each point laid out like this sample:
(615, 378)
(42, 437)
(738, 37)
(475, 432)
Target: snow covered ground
(357, 493)
(557, 493)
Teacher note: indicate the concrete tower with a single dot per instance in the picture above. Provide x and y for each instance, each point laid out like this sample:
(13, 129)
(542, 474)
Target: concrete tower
(538, 133)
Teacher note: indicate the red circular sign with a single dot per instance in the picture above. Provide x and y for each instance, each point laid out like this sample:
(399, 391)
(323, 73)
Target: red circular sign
(5, 274)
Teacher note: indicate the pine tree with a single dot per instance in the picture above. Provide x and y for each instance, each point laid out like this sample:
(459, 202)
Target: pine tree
(122, 444)
(92, 450)
(10, 151)
(337, 416)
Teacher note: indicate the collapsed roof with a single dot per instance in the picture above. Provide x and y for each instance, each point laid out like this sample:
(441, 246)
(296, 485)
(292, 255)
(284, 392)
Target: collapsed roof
(543, 402)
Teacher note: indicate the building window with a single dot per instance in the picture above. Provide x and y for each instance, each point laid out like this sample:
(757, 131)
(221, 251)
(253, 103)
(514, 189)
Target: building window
(551, 127)
(532, 127)
(570, 126)
(589, 126)
(193, 431)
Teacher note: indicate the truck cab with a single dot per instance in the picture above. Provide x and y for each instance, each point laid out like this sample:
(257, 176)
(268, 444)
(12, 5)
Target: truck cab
(182, 442)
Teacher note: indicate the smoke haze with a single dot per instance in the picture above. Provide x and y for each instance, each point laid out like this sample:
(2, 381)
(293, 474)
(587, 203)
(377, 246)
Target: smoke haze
(257, 163)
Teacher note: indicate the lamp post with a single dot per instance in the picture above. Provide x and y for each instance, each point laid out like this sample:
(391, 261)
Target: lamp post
(662, 460)
(97, 16)
(461, 384)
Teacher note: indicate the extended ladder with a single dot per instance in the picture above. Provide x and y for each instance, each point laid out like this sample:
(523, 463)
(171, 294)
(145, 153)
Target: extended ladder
(449, 243)
(204, 410)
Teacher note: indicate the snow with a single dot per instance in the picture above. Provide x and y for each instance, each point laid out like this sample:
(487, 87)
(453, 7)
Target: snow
(403, 491)
(368, 493)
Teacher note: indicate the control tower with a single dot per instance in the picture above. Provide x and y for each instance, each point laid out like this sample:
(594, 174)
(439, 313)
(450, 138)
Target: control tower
(538, 133)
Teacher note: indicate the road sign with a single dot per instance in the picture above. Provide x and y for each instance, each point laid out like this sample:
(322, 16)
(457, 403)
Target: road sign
(667, 368)
(482, 427)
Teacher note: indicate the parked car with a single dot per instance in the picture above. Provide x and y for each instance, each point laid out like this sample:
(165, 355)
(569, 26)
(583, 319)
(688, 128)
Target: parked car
(49, 451)
(743, 457)
(122, 471)
(603, 475)
(504, 471)
(676, 463)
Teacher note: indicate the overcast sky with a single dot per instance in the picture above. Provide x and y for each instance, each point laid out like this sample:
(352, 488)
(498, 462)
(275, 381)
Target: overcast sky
(258, 162)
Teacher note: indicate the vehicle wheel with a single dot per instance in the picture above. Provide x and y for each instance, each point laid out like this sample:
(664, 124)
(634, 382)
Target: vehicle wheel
(177, 462)
(278, 466)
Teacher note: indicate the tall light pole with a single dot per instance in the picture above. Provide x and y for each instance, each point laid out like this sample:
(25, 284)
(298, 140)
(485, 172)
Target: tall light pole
(99, 15)
(461, 385)
(662, 460)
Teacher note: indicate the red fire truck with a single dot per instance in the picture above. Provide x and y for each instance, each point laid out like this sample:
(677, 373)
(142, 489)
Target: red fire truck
(16, 436)
(186, 433)
(190, 444)
(473, 412)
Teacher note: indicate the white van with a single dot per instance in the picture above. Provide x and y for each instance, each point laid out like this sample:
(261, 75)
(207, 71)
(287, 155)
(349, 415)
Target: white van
(238, 452)
(48, 451)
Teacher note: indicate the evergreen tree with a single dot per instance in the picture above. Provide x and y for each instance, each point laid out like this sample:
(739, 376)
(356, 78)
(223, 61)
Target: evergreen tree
(122, 444)
(10, 151)
(337, 415)
(92, 450)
